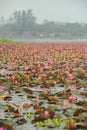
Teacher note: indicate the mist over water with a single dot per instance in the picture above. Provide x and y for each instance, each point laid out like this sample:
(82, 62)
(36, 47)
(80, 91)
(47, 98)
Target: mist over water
(47, 20)
(52, 10)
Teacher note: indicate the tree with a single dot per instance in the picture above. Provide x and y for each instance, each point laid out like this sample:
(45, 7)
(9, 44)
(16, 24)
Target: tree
(23, 20)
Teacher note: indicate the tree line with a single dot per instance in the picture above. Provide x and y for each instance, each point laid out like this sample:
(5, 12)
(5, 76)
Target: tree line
(23, 22)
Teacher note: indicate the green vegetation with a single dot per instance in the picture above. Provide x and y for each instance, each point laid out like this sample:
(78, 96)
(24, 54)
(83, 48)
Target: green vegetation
(5, 40)
(55, 123)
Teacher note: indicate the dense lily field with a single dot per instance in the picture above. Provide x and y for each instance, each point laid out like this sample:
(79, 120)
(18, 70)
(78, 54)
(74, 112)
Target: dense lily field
(43, 86)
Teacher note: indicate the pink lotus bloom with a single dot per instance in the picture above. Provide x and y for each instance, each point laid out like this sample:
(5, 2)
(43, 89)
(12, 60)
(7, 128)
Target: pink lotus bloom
(2, 128)
(72, 98)
(40, 68)
(50, 61)
(12, 77)
(65, 103)
(39, 65)
(46, 67)
(82, 70)
(3, 88)
(39, 78)
(85, 50)
(73, 88)
(33, 71)
(75, 59)
(46, 112)
(31, 63)
(46, 89)
(36, 87)
(44, 75)
(19, 110)
(64, 65)
(8, 68)
(70, 76)
(22, 103)
(6, 73)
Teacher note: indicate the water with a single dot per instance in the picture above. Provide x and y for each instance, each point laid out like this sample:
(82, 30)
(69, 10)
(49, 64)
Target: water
(35, 40)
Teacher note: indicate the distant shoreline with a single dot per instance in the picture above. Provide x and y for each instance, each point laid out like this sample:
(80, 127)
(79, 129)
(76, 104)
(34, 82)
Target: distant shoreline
(47, 40)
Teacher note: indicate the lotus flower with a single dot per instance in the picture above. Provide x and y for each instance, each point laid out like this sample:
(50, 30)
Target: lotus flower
(2, 128)
(70, 76)
(3, 88)
(73, 88)
(72, 98)
(66, 103)
(46, 112)
(46, 89)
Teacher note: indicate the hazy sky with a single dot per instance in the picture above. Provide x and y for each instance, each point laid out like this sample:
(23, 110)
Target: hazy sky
(53, 10)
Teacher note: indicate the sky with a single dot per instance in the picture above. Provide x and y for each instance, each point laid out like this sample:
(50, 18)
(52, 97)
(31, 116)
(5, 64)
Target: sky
(52, 10)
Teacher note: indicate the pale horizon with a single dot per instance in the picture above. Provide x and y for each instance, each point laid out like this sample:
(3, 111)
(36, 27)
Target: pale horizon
(53, 10)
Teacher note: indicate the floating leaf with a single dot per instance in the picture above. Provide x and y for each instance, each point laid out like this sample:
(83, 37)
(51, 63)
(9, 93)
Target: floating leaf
(81, 126)
(27, 90)
(21, 121)
(26, 105)
(78, 112)
(84, 93)
(6, 125)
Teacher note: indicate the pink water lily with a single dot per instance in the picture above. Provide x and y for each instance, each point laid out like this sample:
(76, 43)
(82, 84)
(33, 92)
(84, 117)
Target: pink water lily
(19, 110)
(12, 77)
(33, 71)
(6, 73)
(2, 128)
(73, 88)
(66, 103)
(46, 89)
(70, 76)
(39, 78)
(36, 87)
(3, 88)
(72, 98)
(46, 112)
(44, 75)
(64, 65)
(82, 70)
